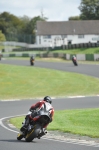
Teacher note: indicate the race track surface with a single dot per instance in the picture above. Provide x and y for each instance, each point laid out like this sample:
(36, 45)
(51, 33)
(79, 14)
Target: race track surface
(8, 138)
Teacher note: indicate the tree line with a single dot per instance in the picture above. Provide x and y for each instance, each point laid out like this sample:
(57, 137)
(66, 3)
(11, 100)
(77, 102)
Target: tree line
(23, 29)
(89, 10)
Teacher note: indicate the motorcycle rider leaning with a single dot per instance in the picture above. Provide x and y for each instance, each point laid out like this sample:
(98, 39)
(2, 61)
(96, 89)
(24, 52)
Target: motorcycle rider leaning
(33, 112)
(73, 57)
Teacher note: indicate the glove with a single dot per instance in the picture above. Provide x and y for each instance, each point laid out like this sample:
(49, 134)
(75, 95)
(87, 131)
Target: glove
(33, 110)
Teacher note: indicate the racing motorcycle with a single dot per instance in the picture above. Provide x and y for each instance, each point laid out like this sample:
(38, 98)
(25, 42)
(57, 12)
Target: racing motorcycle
(74, 60)
(36, 124)
(32, 61)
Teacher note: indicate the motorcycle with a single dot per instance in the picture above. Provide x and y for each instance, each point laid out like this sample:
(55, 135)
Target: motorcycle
(36, 124)
(32, 61)
(74, 60)
(0, 57)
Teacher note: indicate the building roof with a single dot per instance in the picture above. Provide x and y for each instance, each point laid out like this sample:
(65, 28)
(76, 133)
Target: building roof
(68, 27)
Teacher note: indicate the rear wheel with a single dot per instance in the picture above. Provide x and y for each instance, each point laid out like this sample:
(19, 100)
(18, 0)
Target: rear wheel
(75, 63)
(33, 134)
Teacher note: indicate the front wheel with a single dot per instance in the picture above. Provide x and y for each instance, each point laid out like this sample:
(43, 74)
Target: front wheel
(19, 136)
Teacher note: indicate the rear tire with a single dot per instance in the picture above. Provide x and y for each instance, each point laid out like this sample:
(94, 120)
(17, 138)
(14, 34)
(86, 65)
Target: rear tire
(32, 64)
(75, 63)
(33, 134)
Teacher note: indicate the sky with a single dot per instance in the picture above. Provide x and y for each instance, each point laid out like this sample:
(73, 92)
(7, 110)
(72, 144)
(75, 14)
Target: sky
(54, 10)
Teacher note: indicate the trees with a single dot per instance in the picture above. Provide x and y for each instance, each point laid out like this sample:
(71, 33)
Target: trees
(2, 37)
(75, 18)
(19, 29)
(89, 10)
(30, 28)
(31, 25)
(10, 23)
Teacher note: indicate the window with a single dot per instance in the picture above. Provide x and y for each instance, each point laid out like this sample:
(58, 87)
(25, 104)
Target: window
(39, 39)
(80, 36)
(47, 37)
(64, 36)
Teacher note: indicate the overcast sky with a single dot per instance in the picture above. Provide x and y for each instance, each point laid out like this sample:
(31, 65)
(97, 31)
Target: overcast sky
(54, 10)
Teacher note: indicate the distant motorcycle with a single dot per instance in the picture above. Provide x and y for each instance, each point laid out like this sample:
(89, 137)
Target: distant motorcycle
(32, 61)
(35, 128)
(0, 56)
(74, 60)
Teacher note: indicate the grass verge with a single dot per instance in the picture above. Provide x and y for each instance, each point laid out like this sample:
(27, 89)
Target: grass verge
(83, 122)
(92, 50)
(30, 82)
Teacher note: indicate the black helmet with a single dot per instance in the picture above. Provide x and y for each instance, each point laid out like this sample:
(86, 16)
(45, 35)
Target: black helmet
(47, 99)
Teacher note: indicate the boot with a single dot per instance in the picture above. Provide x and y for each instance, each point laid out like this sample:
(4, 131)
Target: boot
(43, 132)
(25, 124)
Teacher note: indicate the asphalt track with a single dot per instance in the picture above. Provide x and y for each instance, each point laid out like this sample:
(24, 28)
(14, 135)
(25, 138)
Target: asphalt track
(11, 108)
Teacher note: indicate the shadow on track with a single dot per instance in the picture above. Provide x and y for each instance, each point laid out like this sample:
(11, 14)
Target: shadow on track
(16, 141)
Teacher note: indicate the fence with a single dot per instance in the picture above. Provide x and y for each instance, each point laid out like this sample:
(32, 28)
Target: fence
(81, 57)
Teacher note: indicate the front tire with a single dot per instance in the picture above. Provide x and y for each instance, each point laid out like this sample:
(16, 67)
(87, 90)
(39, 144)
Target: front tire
(19, 136)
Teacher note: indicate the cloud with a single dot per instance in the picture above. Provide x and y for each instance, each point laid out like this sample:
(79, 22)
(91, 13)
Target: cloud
(54, 10)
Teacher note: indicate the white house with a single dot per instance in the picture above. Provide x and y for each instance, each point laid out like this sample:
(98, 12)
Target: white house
(53, 34)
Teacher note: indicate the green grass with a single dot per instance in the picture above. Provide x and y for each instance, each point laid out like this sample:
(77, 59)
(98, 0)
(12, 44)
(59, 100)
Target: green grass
(83, 122)
(25, 52)
(30, 82)
(1, 47)
(8, 47)
(94, 50)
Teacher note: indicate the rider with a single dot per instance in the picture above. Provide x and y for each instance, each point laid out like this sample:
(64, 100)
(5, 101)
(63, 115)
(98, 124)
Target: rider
(73, 57)
(31, 58)
(32, 113)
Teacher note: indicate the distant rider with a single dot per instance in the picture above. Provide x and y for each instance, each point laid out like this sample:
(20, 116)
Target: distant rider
(73, 57)
(31, 58)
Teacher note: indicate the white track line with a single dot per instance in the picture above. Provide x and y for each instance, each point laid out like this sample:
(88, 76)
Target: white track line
(78, 96)
(1, 122)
